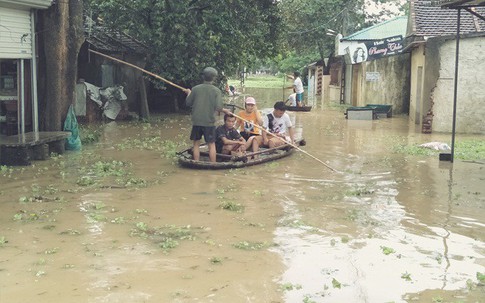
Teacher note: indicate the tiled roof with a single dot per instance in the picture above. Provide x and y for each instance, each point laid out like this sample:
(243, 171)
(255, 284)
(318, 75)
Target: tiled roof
(461, 3)
(431, 20)
(393, 27)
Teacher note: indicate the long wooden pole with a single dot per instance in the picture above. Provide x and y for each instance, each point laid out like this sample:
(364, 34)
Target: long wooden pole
(289, 143)
(138, 68)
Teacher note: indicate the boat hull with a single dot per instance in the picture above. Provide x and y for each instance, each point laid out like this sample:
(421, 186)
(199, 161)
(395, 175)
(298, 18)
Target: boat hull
(299, 108)
(228, 161)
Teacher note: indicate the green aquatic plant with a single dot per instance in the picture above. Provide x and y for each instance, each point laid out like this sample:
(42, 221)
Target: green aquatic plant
(245, 245)
(118, 220)
(51, 251)
(290, 286)
(387, 250)
(133, 182)
(307, 299)
(481, 277)
(6, 170)
(232, 206)
(336, 283)
(215, 260)
(72, 232)
(359, 192)
(3, 241)
(406, 276)
(85, 181)
(166, 237)
(89, 134)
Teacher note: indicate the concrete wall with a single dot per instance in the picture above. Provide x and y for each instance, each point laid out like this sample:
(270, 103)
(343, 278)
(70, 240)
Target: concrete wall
(418, 61)
(471, 90)
(386, 81)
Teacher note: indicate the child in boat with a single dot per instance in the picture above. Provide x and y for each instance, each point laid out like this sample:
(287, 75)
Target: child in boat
(291, 99)
(228, 139)
(278, 123)
(247, 129)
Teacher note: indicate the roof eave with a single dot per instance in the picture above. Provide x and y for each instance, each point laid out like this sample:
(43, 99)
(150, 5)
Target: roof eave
(37, 4)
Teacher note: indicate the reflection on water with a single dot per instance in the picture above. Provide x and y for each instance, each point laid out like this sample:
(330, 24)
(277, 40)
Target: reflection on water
(388, 227)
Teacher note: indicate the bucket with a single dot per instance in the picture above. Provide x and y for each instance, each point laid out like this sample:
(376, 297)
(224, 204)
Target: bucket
(445, 157)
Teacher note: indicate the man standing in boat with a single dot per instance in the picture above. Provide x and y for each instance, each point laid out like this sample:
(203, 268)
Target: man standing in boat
(278, 123)
(205, 99)
(298, 88)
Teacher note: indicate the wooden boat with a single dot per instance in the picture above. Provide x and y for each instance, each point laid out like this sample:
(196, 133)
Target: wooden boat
(228, 161)
(305, 108)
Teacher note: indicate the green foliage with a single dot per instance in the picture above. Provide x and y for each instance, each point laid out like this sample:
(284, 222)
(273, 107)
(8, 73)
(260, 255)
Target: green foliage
(471, 149)
(261, 82)
(187, 35)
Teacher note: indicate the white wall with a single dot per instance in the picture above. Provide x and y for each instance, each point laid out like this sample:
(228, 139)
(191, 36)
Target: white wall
(471, 87)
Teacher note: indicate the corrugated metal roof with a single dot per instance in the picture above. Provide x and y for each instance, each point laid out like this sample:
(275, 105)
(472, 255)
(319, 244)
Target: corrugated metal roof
(430, 20)
(392, 27)
(111, 40)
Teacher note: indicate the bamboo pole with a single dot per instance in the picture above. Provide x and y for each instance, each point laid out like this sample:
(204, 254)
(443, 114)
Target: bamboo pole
(289, 143)
(139, 68)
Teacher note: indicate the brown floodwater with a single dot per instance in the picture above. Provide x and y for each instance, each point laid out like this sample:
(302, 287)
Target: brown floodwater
(120, 221)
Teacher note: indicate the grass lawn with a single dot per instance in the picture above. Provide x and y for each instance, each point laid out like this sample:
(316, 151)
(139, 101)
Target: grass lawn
(262, 82)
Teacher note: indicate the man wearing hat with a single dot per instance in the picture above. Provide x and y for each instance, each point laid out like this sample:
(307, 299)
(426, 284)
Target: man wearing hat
(205, 99)
(249, 129)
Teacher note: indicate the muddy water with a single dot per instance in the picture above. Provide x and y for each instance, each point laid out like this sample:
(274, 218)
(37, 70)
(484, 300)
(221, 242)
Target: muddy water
(135, 227)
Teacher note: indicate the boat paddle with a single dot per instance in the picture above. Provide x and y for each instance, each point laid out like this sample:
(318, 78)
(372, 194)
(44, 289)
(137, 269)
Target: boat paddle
(289, 143)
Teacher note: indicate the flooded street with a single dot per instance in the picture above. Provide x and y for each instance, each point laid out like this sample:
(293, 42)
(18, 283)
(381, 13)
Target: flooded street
(122, 222)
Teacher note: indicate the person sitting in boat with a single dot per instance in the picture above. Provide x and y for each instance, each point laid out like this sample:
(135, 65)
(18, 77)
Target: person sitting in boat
(291, 99)
(248, 128)
(278, 126)
(228, 139)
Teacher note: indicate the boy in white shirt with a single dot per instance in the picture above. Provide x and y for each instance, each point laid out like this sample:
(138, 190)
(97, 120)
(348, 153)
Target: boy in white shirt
(291, 99)
(278, 123)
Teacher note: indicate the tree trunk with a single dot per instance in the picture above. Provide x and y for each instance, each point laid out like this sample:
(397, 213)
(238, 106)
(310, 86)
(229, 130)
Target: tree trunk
(60, 37)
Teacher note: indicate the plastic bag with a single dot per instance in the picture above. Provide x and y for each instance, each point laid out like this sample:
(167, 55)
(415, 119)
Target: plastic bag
(73, 142)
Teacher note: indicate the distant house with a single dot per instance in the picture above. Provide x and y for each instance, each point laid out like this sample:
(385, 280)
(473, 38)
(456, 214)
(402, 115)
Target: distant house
(376, 70)
(18, 66)
(431, 40)
(103, 72)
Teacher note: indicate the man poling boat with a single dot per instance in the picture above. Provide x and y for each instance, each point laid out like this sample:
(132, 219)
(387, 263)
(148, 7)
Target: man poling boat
(186, 90)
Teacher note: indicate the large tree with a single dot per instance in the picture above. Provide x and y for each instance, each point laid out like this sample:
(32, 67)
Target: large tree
(187, 35)
(311, 25)
(60, 35)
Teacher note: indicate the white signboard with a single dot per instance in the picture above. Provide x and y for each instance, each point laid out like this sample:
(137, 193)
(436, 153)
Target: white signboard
(372, 76)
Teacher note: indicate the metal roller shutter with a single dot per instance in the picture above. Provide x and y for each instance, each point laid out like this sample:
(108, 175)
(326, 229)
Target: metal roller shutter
(15, 34)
